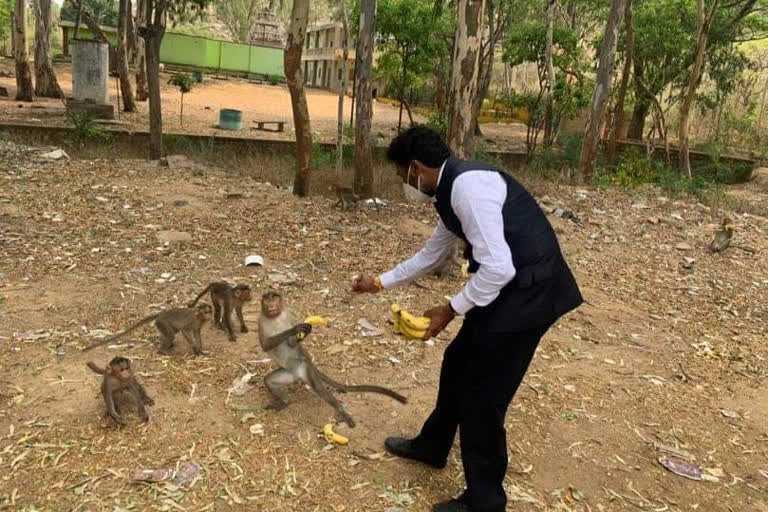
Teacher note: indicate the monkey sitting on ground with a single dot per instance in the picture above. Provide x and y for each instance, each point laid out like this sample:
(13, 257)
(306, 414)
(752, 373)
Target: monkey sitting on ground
(723, 237)
(225, 298)
(280, 336)
(118, 376)
(188, 321)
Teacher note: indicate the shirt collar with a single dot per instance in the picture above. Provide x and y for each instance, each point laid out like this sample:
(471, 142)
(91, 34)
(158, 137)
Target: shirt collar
(440, 174)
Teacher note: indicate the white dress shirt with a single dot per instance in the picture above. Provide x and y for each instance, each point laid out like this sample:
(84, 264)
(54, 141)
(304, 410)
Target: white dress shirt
(477, 199)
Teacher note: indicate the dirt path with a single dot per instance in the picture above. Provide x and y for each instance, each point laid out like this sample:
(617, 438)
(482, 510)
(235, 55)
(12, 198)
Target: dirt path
(668, 353)
(258, 102)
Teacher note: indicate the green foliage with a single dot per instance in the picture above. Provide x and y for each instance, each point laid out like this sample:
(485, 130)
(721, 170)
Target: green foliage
(438, 121)
(273, 79)
(183, 81)
(406, 37)
(635, 170)
(6, 10)
(84, 127)
(103, 11)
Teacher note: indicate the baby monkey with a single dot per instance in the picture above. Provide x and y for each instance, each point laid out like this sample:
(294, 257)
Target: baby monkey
(118, 376)
(280, 336)
(225, 298)
(346, 197)
(188, 321)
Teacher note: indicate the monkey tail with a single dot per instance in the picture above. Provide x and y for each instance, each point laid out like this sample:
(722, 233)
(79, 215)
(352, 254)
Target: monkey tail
(365, 388)
(117, 337)
(200, 295)
(96, 369)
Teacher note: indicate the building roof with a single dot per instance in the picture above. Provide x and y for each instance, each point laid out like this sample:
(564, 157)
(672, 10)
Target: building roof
(66, 23)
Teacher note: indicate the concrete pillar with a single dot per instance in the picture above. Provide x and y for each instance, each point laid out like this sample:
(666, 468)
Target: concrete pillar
(90, 71)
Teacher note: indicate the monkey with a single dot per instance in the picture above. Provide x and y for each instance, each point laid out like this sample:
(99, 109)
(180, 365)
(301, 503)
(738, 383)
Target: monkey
(346, 197)
(225, 298)
(280, 336)
(451, 262)
(723, 237)
(187, 320)
(118, 376)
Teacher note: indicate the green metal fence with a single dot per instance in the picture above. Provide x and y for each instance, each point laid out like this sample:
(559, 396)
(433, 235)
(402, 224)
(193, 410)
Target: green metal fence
(208, 54)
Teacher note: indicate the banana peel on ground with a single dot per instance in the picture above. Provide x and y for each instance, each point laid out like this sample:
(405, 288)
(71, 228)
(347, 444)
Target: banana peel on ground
(333, 437)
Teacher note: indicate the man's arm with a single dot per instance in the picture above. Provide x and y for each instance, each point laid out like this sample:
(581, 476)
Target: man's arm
(477, 199)
(423, 261)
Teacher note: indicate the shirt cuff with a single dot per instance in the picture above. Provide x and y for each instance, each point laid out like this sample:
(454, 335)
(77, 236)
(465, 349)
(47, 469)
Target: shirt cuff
(387, 280)
(460, 304)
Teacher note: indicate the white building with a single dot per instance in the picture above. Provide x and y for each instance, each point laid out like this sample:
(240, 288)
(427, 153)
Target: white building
(323, 56)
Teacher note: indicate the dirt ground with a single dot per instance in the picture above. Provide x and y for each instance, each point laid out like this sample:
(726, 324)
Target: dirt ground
(258, 102)
(667, 358)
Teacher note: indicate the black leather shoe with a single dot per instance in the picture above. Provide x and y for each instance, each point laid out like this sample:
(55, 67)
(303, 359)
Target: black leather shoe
(404, 448)
(451, 506)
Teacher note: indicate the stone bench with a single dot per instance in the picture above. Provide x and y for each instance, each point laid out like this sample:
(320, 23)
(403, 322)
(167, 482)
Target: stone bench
(260, 126)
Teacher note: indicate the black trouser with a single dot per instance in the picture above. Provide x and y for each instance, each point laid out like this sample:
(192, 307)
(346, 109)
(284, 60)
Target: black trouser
(478, 378)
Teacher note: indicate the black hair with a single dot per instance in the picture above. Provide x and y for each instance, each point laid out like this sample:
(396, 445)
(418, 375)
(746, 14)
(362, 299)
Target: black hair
(418, 143)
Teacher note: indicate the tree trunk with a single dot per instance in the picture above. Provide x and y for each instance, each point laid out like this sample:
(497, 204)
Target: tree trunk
(762, 109)
(129, 105)
(550, 96)
(619, 116)
(153, 36)
(46, 84)
(402, 90)
(466, 60)
(294, 75)
(642, 103)
(342, 92)
(131, 34)
(704, 23)
(140, 58)
(25, 91)
(591, 141)
(364, 106)
(90, 22)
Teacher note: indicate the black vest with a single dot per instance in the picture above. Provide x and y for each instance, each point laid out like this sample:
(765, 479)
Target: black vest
(543, 288)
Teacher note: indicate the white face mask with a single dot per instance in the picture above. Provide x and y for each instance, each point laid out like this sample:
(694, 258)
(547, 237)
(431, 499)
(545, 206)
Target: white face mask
(414, 193)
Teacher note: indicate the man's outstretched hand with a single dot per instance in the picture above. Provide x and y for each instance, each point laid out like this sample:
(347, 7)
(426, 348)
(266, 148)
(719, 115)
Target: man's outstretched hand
(365, 283)
(440, 317)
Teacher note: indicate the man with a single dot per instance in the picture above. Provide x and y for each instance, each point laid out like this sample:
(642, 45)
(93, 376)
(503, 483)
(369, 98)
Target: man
(520, 285)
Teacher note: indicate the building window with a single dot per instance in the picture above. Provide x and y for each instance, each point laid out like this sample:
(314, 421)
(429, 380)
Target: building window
(339, 78)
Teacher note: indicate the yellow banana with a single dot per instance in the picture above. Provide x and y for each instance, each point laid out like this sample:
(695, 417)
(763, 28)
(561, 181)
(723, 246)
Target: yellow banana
(315, 320)
(408, 325)
(333, 437)
(418, 323)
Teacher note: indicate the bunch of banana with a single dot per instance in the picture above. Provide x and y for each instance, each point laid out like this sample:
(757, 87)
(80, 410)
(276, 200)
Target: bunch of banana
(412, 327)
(333, 437)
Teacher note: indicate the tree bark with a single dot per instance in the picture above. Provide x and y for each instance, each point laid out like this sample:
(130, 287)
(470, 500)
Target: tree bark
(364, 106)
(487, 58)
(141, 53)
(129, 104)
(402, 90)
(704, 24)
(464, 78)
(90, 22)
(619, 116)
(549, 106)
(46, 84)
(591, 140)
(294, 76)
(25, 91)
(153, 36)
(342, 92)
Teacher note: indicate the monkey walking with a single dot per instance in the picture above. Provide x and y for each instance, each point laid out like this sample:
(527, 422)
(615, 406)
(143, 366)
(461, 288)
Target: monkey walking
(118, 376)
(347, 199)
(188, 321)
(225, 298)
(280, 336)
